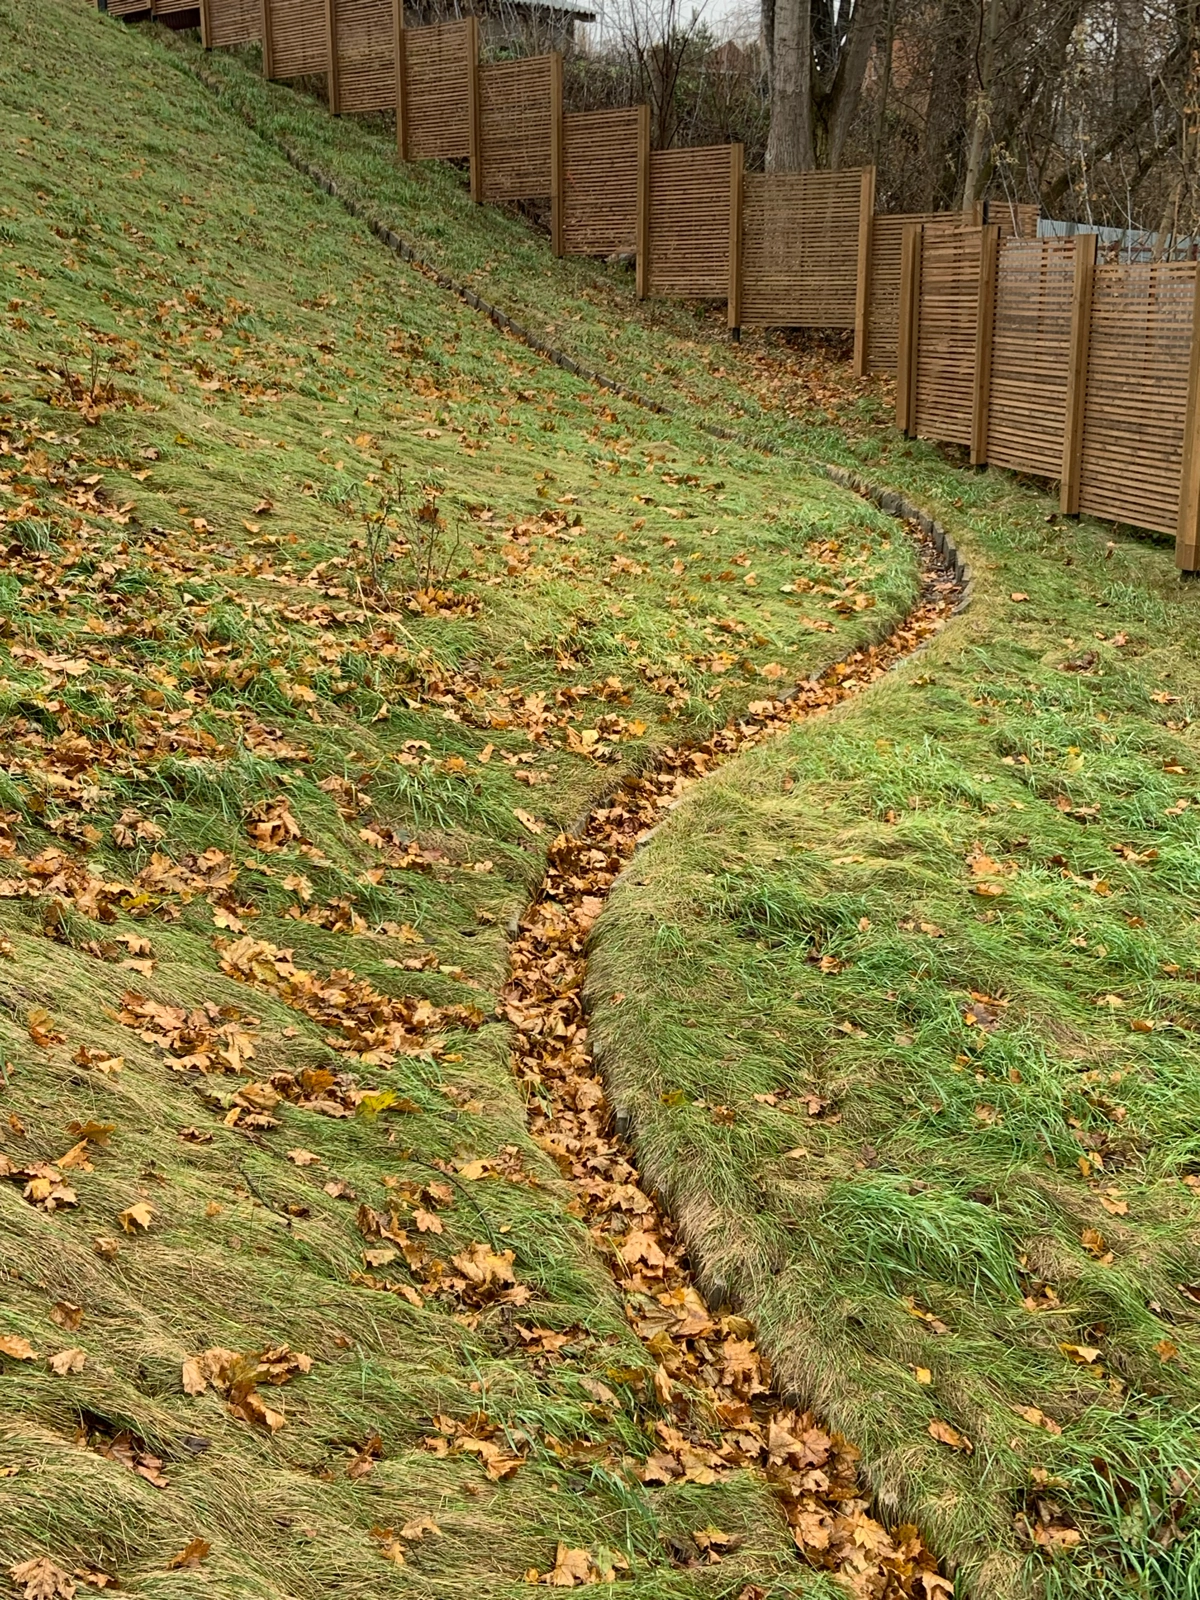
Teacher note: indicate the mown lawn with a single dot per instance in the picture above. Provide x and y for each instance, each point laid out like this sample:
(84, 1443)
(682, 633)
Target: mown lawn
(903, 1008)
(324, 605)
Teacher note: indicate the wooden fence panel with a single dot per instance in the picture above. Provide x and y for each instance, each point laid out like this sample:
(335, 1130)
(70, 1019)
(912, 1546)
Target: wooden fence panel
(295, 38)
(605, 156)
(520, 118)
(883, 294)
(947, 333)
(1016, 221)
(1135, 405)
(692, 195)
(172, 8)
(228, 22)
(800, 237)
(363, 53)
(128, 8)
(1031, 348)
(437, 118)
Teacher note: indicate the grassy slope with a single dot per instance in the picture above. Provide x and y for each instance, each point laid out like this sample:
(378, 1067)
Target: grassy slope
(951, 934)
(179, 667)
(676, 353)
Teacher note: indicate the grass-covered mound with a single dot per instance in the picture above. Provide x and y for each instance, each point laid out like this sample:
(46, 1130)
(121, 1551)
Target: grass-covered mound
(903, 1006)
(322, 606)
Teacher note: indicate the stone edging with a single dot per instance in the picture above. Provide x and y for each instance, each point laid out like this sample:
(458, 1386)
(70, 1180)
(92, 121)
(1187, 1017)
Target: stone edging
(894, 504)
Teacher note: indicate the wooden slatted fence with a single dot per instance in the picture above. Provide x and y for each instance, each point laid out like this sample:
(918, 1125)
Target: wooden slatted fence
(882, 293)
(128, 8)
(800, 247)
(438, 115)
(1135, 402)
(1031, 349)
(693, 218)
(605, 178)
(1042, 361)
(295, 38)
(941, 315)
(520, 133)
(363, 55)
(228, 22)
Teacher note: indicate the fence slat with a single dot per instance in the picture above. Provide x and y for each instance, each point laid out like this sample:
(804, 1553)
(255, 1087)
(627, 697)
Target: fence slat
(908, 324)
(1187, 534)
(736, 196)
(985, 327)
(1081, 324)
(862, 276)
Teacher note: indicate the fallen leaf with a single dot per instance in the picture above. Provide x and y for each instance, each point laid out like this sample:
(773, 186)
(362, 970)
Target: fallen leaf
(67, 1361)
(945, 1434)
(1081, 1354)
(42, 1579)
(16, 1347)
(192, 1554)
(136, 1216)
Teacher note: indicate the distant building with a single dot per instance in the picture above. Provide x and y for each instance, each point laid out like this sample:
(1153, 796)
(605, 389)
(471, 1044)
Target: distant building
(524, 25)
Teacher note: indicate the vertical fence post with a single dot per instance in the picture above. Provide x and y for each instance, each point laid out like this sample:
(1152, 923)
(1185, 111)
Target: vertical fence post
(1077, 362)
(862, 285)
(643, 202)
(734, 307)
(1187, 539)
(556, 153)
(473, 108)
(268, 49)
(985, 325)
(908, 332)
(401, 80)
(205, 25)
(333, 87)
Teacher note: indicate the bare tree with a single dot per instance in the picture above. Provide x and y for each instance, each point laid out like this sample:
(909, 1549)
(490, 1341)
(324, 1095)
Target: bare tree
(818, 51)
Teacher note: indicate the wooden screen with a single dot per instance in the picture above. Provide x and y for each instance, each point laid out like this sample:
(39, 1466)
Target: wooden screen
(604, 158)
(437, 119)
(800, 234)
(1135, 402)
(947, 329)
(520, 112)
(1015, 221)
(692, 194)
(127, 8)
(1031, 348)
(362, 58)
(229, 22)
(172, 8)
(295, 38)
(883, 294)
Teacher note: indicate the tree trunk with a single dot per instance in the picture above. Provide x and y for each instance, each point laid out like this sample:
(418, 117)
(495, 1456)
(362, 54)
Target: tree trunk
(790, 139)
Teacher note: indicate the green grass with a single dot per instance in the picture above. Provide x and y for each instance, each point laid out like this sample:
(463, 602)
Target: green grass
(212, 380)
(947, 950)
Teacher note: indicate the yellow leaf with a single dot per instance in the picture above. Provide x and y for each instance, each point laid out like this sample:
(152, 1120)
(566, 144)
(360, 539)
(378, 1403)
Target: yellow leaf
(1082, 1354)
(945, 1434)
(136, 1216)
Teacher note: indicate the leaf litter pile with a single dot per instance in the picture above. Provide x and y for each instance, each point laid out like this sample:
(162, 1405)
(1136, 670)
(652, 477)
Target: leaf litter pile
(709, 1374)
